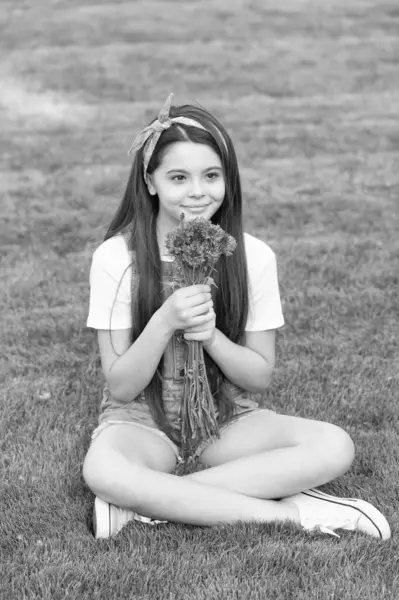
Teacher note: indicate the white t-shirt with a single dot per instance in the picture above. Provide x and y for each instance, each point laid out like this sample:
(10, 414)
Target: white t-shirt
(110, 286)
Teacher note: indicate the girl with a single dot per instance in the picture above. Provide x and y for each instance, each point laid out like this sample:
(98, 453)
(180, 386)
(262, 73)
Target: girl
(264, 465)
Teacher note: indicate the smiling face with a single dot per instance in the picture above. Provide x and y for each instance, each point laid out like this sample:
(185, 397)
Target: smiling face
(189, 180)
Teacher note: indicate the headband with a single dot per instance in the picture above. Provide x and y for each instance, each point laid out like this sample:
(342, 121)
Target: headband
(149, 136)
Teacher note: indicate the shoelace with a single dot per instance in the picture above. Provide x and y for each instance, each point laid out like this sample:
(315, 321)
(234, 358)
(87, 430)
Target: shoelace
(348, 524)
(323, 529)
(148, 520)
(122, 516)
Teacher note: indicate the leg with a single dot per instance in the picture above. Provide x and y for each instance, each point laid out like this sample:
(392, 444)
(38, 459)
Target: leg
(130, 467)
(267, 455)
(273, 456)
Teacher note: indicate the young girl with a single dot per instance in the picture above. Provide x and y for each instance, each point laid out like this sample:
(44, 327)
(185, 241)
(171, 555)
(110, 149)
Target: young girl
(264, 465)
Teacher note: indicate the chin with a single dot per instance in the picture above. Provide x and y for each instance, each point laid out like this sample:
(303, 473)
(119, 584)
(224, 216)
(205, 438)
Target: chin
(205, 214)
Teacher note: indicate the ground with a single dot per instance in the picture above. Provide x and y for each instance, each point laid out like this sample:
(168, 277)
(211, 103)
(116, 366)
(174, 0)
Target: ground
(309, 93)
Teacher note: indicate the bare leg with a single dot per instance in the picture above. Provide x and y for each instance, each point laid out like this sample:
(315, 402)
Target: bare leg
(167, 497)
(314, 454)
(274, 474)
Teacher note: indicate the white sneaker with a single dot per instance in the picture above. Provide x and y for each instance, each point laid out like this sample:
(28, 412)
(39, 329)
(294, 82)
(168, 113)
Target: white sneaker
(109, 519)
(319, 511)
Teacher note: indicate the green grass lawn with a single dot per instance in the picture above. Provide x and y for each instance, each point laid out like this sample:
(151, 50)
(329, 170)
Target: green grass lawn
(309, 92)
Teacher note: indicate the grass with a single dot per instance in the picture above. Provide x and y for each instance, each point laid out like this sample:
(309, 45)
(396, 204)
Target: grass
(309, 92)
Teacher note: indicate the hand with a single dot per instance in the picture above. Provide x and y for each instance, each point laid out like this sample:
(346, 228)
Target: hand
(204, 333)
(187, 307)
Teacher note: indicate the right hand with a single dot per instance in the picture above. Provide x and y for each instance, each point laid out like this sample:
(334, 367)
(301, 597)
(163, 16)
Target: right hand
(188, 307)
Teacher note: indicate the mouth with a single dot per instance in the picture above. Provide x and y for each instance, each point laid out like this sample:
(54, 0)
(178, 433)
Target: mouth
(196, 207)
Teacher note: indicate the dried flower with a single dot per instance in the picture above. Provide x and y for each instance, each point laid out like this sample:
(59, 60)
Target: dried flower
(197, 245)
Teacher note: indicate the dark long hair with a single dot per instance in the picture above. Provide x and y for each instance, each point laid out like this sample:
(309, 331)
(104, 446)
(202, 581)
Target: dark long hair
(136, 219)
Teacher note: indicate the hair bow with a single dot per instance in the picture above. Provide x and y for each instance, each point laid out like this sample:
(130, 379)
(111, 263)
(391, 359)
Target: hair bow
(149, 136)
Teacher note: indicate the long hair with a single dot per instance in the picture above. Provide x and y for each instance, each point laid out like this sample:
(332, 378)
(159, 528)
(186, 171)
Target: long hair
(136, 218)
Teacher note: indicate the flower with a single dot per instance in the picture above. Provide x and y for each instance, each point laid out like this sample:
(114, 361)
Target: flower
(197, 245)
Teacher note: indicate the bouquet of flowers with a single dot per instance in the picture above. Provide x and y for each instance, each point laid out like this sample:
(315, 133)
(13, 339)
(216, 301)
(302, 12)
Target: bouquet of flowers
(197, 245)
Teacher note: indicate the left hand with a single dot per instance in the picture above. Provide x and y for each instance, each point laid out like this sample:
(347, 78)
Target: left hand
(204, 333)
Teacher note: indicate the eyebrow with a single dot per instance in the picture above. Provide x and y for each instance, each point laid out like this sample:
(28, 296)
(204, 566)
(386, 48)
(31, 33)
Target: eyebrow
(186, 172)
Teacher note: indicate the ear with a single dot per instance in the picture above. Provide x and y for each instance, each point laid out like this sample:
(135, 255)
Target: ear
(150, 186)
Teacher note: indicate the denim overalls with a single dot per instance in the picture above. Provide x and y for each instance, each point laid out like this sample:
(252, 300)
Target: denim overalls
(137, 412)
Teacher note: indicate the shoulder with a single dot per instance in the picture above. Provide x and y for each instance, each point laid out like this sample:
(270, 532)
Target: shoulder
(113, 251)
(259, 254)
(113, 247)
(112, 257)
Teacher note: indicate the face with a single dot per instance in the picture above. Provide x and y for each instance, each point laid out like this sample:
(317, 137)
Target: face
(189, 180)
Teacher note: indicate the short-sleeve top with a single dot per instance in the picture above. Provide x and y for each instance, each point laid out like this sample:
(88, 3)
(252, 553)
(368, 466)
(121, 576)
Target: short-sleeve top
(110, 286)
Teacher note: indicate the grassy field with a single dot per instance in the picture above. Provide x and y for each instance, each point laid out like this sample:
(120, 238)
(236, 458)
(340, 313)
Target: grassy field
(309, 91)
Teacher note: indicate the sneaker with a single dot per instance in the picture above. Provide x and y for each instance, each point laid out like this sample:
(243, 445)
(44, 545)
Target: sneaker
(319, 511)
(109, 519)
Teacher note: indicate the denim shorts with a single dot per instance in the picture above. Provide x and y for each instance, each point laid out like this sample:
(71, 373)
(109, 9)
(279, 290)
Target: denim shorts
(137, 412)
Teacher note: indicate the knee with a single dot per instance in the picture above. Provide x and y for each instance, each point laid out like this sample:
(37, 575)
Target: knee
(104, 473)
(340, 449)
(94, 472)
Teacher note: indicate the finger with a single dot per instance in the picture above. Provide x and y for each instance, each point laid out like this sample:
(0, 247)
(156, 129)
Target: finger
(190, 330)
(200, 288)
(200, 328)
(202, 309)
(204, 321)
(199, 299)
(196, 337)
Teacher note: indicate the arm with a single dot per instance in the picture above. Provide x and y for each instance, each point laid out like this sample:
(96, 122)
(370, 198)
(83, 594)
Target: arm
(250, 366)
(128, 369)
(129, 373)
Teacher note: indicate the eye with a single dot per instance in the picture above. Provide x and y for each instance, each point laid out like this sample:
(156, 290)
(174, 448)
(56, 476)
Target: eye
(178, 178)
(213, 175)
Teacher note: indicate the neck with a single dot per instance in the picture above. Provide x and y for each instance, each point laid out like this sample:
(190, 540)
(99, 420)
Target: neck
(162, 230)
(161, 235)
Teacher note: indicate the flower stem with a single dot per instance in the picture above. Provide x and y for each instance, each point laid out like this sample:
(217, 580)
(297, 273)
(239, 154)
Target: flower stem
(198, 416)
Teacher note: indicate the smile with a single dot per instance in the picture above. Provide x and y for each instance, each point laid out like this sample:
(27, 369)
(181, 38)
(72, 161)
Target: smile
(197, 206)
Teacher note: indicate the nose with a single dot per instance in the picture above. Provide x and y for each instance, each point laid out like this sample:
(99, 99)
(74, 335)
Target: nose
(196, 189)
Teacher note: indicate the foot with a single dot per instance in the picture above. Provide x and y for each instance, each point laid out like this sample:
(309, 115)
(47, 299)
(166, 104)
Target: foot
(109, 519)
(319, 511)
